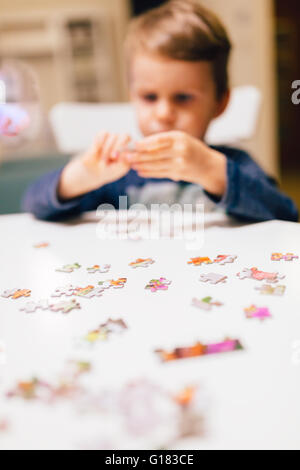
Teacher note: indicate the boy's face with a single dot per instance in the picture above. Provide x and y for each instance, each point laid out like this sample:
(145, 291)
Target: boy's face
(170, 95)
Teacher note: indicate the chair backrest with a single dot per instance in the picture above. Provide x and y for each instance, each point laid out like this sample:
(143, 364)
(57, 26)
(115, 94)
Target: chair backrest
(75, 125)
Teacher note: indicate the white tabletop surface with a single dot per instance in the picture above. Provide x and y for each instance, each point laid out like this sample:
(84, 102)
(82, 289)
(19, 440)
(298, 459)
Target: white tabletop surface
(251, 396)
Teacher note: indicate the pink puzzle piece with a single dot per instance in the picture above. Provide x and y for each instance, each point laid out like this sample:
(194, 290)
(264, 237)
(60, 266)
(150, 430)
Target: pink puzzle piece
(225, 259)
(257, 312)
(158, 284)
(281, 256)
(254, 273)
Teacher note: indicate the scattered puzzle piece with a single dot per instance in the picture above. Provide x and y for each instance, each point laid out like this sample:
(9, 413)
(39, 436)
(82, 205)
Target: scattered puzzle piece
(213, 278)
(227, 345)
(266, 289)
(66, 387)
(4, 425)
(30, 390)
(89, 292)
(32, 307)
(68, 268)
(41, 245)
(140, 262)
(65, 306)
(98, 269)
(116, 284)
(254, 273)
(191, 423)
(158, 284)
(254, 312)
(105, 330)
(16, 293)
(205, 303)
(199, 349)
(199, 261)
(65, 290)
(225, 259)
(280, 256)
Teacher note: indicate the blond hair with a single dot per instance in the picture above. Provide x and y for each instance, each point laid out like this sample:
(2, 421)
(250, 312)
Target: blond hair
(182, 30)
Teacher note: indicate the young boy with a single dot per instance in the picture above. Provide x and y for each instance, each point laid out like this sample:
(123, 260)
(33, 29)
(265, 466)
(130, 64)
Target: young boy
(177, 58)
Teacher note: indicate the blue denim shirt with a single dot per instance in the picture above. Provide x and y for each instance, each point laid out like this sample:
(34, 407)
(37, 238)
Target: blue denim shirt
(250, 195)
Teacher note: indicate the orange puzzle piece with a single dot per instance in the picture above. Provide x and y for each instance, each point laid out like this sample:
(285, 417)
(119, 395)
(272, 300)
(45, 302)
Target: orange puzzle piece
(200, 260)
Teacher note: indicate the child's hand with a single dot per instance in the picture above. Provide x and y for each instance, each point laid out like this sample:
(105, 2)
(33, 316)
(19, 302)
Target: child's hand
(179, 156)
(100, 165)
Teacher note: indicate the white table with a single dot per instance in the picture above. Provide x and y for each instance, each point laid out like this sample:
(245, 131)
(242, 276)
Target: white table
(252, 396)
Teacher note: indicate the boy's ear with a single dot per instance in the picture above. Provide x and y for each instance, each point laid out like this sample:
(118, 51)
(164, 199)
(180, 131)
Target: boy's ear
(222, 104)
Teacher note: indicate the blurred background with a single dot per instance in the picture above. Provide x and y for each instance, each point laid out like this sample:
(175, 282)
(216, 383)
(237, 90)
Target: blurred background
(73, 53)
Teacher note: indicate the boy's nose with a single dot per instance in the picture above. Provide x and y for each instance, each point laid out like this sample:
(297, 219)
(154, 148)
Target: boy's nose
(165, 111)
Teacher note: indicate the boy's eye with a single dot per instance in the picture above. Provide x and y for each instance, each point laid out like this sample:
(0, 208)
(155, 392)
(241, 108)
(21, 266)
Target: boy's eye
(182, 98)
(150, 97)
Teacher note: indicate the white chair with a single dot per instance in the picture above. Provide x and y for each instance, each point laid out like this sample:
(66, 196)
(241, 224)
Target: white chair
(75, 125)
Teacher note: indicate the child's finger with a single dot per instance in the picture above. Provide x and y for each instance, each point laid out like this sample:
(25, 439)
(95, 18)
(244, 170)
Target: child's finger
(154, 174)
(159, 165)
(155, 142)
(121, 142)
(137, 157)
(109, 146)
(98, 144)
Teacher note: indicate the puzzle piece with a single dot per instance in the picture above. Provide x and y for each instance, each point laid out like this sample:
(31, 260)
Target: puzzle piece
(68, 268)
(191, 422)
(65, 290)
(114, 326)
(4, 425)
(158, 284)
(140, 262)
(199, 261)
(254, 273)
(30, 390)
(199, 349)
(225, 259)
(16, 293)
(205, 303)
(254, 312)
(65, 387)
(116, 284)
(41, 245)
(32, 307)
(65, 306)
(213, 278)
(95, 336)
(104, 330)
(98, 269)
(266, 289)
(280, 256)
(227, 345)
(290, 257)
(89, 292)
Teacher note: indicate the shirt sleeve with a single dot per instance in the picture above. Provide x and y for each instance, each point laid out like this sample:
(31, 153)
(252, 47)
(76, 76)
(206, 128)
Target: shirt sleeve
(251, 195)
(42, 201)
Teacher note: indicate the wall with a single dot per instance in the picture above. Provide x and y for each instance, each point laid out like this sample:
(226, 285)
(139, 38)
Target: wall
(251, 26)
